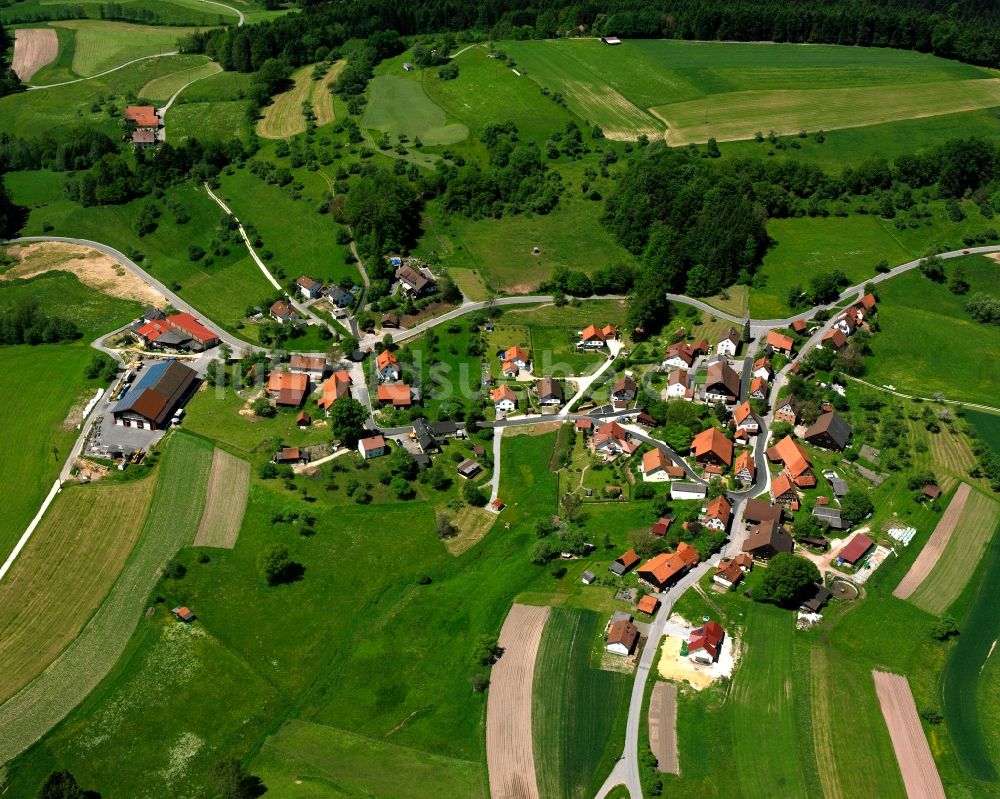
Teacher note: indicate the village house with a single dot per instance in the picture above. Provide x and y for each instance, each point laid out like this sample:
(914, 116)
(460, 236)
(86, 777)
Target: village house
(856, 549)
(612, 439)
(183, 614)
(144, 138)
(144, 116)
(339, 297)
(372, 447)
(648, 604)
(399, 394)
(288, 388)
(312, 365)
(387, 367)
(469, 468)
(682, 491)
(846, 323)
(683, 355)
(798, 326)
(756, 511)
(414, 282)
(730, 572)
(153, 399)
(624, 389)
(662, 571)
(729, 345)
(658, 468)
(780, 343)
(549, 391)
(504, 399)
(834, 338)
(594, 338)
(290, 455)
(759, 389)
(744, 468)
(829, 517)
(336, 386)
(745, 419)
(712, 447)
(309, 288)
(797, 465)
(303, 420)
(762, 368)
(624, 563)
(678, 385)
(661, 526)
(767, 539)
(705, 643)
(787, 410)
(180, 331)
(516, 356)
(722, 384)
(783, 491)
(623, 637)
(283, 313)
(830, 431)
(718, 512)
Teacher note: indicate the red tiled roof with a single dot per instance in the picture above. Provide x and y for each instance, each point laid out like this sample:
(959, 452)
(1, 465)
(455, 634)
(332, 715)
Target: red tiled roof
(780, 486)
(143, 115)
(515, 354)
(191, 326)
(655, 460)
(310, 363)
(719, 508)
(713, 441)
(290, 387)
(384, 359)
(744, 461)
(151, 331)
(398, 395)
(791, 454)
(628, 559)
(708, 637)
(856, 548)
(502, 393)
(780, 341)
(742, 412)
(375, 442)
(591, 333)
(335, 387)
(648, 604)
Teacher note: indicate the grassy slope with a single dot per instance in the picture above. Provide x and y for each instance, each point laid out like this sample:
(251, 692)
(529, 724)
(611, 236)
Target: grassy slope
(162, 89)
(918, 317)
(987, 425)
(575, 707)
(222, 291)
(400, 105)
(168, 12)
(101, 45)
(47, 381)
(63, 574)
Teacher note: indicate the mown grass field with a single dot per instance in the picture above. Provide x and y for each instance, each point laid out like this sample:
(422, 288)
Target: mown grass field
(303, 759)
(576, 709)
(162, 89)
(218, 121)
(173, 518)
(63, 574)
(283, 118)
(970, 682)
(645, 85)
(225, 501)
(961, 555)
(34, 113)
(101, 45)
(399, 105)
(917, 317)
(168, 12)
(987, 425)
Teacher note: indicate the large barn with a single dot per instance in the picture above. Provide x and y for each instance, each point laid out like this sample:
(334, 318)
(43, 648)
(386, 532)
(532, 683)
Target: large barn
(150, 403)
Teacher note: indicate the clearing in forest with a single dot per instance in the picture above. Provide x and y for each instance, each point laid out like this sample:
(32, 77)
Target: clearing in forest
(64, 572)
(33, 49)
(920, 774)
(284, 117)
(397, 105)
(509, 755)
(225, 503)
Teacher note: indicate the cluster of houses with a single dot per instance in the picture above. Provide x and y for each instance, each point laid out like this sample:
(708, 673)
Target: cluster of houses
(146, 124)
(284, 312)
(848, 322)
(391, 392)
(179, 332)
(306, 373)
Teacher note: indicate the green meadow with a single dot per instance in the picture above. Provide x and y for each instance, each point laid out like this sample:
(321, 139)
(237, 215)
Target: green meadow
(919, 318)
(397, 105)
(101, 45)
(165, 12)
(698, 90)
(577, 710)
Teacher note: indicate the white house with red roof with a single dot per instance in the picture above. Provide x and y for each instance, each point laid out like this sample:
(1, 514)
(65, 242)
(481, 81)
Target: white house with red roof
(611, 439)
(387, 366)
(705, 643)
(372, 447)
(504, 399)
(516, 356)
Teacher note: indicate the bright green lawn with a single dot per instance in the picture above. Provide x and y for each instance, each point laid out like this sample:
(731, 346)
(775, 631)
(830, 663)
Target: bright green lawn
(220, 121)
(222, 86)
(400, 105)
(319, 762)
(162, 89)
(576, 709)
(101, 45)
(164, 12)
(918, 317)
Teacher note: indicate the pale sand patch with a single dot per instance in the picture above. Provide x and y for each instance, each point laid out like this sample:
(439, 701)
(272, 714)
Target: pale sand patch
(680, 669)
(928, 557)
(93, 268)
(510, 755)
(994, 256)
(33, 49)
(920, 774)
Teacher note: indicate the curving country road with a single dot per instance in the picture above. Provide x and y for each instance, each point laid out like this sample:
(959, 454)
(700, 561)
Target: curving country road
(106, 72)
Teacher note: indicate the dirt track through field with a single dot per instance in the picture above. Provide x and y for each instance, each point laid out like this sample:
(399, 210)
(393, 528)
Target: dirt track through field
(225, 503)
(509, 752)
(33, 49)
(93, 268)
(920, 774)
(929, 555)
(663, 727)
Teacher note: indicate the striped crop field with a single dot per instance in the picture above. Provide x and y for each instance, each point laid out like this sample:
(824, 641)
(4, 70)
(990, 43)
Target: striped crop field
(961, 555)
(284, 118)
(63, 574)
(225, 503)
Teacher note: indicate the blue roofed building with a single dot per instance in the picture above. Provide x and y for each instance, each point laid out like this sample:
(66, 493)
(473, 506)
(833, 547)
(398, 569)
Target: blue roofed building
(151, 402)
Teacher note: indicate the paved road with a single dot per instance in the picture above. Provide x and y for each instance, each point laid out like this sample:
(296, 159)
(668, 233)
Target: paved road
(162, 134)
(237, 345)
(583, 384)
(106, 72)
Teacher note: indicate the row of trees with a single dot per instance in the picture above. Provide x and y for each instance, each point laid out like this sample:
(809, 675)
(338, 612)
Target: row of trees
(26, 323)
